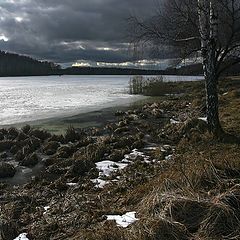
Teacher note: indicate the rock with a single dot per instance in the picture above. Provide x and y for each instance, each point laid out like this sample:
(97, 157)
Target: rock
(50, 148)
(7, 170)
(30, 161)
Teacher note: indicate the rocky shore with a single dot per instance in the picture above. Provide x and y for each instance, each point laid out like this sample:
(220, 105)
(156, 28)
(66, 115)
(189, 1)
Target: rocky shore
(153, 173)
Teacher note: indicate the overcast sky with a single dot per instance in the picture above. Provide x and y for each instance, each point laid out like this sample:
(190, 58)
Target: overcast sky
(69, 31)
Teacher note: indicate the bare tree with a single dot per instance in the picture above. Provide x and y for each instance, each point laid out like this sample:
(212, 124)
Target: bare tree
(211, 27)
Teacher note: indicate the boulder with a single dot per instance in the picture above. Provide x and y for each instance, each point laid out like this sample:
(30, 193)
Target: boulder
(7, 170)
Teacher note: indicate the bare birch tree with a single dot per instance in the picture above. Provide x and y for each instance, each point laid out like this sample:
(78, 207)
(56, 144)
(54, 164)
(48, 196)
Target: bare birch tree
(211, 27)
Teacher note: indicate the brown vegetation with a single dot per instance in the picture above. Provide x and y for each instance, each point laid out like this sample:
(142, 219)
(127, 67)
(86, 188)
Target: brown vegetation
(194, 195)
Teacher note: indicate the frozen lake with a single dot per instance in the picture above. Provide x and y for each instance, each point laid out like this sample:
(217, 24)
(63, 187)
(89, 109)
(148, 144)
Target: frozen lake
(25, 99)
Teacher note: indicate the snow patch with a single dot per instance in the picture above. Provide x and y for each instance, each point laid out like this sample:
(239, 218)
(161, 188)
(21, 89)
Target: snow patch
(46, 209)
(173, 121)
(71, 184)
(203, 118)
(124, 220)
(99, 183)
(133, 156)
(107, 167)
(150, 148)
(22, 236)
(169, 157)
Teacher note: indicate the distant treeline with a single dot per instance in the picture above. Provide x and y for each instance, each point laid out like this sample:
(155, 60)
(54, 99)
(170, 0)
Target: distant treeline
(12, 64)
(108, 71)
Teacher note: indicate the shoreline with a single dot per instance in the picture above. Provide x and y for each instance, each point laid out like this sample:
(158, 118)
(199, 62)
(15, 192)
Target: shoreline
(87, 117)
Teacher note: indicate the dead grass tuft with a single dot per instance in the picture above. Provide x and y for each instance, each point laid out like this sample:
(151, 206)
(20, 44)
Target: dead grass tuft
(221, 222)
(157, 229)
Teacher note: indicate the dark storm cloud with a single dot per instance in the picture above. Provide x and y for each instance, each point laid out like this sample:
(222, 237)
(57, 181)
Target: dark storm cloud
(69, 30)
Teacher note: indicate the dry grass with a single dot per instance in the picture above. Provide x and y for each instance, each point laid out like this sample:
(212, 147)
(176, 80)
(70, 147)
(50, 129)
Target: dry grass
(196, 195)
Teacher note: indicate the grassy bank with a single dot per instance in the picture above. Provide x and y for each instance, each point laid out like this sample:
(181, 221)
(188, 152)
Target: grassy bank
(183, 185)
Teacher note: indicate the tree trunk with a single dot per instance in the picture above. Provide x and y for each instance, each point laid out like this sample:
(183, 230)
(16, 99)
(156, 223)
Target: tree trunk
(208, 22)
(212, 103)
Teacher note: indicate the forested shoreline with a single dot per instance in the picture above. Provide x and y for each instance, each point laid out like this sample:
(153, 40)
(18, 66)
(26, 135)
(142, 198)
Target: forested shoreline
(12, 64)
